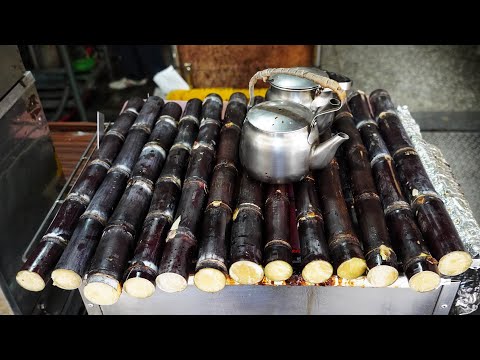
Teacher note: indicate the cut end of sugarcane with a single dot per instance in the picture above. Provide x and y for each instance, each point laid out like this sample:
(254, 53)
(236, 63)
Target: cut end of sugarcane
(317, 271)
(139, 287)
(209, 280)
(454, 263)
(30, 281)
(66, 279)
(102, 294)
(278, 270)
(382, 275)
(246, 272)
(424, 281)
(352, 268)
(171, 282)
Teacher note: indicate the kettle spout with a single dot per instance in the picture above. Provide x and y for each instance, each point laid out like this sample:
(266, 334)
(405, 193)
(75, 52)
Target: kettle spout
(323, 153)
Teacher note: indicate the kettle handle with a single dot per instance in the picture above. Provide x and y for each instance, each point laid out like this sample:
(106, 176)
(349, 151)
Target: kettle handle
(320, 80)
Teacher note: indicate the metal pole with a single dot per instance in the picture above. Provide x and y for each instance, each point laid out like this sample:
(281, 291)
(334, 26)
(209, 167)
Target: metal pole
(317, 53)
(73, 82)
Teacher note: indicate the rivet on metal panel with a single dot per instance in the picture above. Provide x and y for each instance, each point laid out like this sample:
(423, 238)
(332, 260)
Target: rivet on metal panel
(90, 305)
(444, 306)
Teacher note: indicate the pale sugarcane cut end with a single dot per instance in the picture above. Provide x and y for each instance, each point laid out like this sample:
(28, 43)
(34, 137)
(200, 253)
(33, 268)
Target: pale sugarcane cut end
(171, 282)
(278, 270)
(454, 263)
(101, 293)
(139, 287)
(30, 280)
(209, 280)
(352, 268)
(317, 271)
(424, 281)
(382, 275)
(66, 279)
(246, 272)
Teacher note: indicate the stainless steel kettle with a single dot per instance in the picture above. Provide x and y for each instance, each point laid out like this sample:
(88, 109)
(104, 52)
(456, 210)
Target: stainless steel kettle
(280, 138)
(304, 91)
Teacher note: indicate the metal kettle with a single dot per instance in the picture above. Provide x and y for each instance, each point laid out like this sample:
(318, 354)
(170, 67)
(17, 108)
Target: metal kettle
(280, 138)
(304, 91)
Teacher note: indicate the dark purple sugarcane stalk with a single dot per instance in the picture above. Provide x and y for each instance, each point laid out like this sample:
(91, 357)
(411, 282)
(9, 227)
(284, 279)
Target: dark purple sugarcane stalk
(35, 272)
(211, 269)
(247, 233)
(117, 241)
(316, 267)
(379, 254)
(432, 216)
(345, 249)
(140, 275)
(181, 242)
(77, 256)
(277, 256)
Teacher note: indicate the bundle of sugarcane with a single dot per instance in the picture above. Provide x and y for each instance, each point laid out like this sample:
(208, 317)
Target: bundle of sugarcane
(181, 241)
(35, 272)
(211, 268)
(418, 265)
(433, 219)
(316, 267)
(345, 250)
(246, 240)
(381, 258)
(140, 275)
(72, 265)
(277, 250)
(117, 241)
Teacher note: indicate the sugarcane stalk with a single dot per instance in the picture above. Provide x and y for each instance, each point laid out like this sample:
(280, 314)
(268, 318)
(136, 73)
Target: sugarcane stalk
(418, 265)
(140, 275)
(181, 240)
(35, 272)
(247, 229)
(118, 239)
(432, 216)
(316, 267)
(345, 249)
(211, 269)
(277, 250)
(380, 257)
(74, 262)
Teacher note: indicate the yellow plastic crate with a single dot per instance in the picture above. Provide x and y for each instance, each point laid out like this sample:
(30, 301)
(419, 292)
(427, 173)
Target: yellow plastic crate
(201, 93)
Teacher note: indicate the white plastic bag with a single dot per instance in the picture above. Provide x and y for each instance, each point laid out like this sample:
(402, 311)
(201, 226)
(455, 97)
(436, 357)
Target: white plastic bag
(167, 80)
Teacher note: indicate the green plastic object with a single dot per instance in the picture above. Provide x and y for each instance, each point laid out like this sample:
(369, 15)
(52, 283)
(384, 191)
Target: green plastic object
(83, 64)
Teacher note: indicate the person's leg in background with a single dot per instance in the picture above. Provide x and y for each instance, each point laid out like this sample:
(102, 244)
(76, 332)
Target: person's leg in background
(131, 67)
(152, 58)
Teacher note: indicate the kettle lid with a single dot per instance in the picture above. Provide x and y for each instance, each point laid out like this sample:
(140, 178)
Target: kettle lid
(292, 82)
(279, 116)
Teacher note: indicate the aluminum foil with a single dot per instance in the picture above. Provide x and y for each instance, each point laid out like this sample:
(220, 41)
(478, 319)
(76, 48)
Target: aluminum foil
(440, 173)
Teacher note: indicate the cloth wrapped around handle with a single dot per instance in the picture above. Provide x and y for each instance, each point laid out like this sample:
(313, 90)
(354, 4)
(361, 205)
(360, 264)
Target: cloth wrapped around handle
(323, 81)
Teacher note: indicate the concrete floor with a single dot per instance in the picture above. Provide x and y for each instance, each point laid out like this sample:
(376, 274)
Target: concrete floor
(424, 77)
